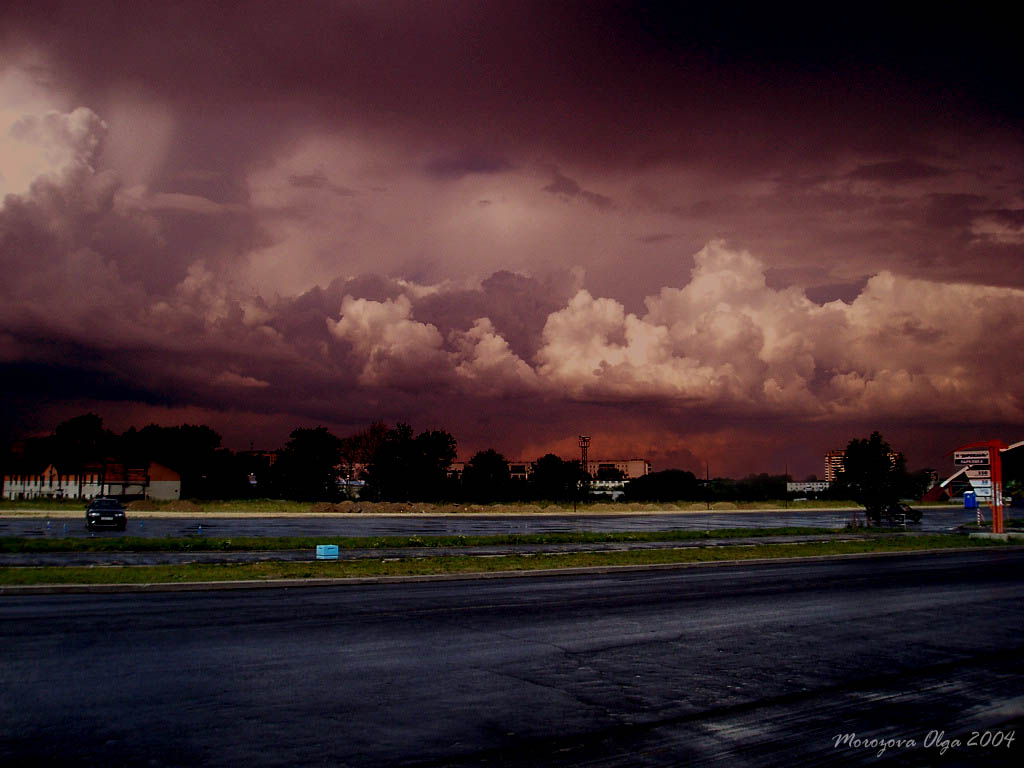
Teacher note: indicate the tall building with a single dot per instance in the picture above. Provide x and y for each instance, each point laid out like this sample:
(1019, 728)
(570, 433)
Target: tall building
(833, 464)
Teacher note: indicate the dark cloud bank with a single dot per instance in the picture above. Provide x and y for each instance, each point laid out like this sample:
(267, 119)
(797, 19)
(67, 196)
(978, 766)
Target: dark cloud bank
(739, 240)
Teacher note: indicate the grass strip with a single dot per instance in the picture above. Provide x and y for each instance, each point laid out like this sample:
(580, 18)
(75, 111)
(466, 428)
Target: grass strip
(15, 544)
(464, 564)
(286, 506)
(987, 525)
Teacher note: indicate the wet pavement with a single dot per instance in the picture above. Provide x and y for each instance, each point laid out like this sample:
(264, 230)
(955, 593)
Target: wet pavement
(934, 521)
(753, 665)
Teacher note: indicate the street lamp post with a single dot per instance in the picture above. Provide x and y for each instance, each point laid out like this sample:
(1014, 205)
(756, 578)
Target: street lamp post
(584, 441)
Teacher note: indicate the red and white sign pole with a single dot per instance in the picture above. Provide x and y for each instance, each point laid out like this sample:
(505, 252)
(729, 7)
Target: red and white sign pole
(997, 487)
(973, 454)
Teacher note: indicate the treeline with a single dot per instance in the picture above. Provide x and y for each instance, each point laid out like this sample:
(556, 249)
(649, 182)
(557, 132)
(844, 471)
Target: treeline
(382, 463)
(385, 463)
(397, 464)
(194, 451)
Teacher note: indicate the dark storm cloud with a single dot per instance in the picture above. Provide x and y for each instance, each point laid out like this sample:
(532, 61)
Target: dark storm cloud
(956, 211)
(565, 187)
(517, 305)
(317, 180)
(585, 76)
(455, 166)
(897, 170)
(680, 228)
(51, 380)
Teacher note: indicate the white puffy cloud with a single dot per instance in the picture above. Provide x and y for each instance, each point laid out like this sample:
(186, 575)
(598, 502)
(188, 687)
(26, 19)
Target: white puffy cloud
(726, 339)
(47, 145)
(393, 348)
(593, 348)
(487, 365)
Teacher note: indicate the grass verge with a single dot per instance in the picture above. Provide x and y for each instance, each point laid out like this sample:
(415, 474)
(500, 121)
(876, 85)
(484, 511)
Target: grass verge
(284, 506)
(987, 525)
(465, 564)
(13, 544)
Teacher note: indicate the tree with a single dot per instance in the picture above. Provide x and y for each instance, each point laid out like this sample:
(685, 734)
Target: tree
(667, 485)
(486, 477)
(1013, 476)
(873, 475)
(436, 450)
(359, 448)
(307, 469)
(82, 439)
(404, 467)
(189, 449)
(555, 479)
(761, 487)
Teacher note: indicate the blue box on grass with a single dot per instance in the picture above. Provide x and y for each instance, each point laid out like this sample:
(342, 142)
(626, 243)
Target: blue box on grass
(326, 551)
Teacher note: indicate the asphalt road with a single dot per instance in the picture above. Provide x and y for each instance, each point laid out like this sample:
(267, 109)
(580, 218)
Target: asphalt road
(736, 665)
(445, 525)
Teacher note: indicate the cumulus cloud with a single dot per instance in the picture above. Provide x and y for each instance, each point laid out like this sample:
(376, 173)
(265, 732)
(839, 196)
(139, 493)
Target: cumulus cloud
(486, 364)
(394, 349)
(49, 145)
(724, 339)
(728, 340)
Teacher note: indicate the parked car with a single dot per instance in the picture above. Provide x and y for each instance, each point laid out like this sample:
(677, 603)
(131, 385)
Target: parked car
(105, 512)
(894, 514)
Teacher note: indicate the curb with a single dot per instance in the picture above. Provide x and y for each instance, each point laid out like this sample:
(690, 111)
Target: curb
(212, 586)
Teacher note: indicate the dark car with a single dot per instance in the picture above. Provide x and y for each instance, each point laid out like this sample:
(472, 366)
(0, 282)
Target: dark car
(105, 513)
(894, 514)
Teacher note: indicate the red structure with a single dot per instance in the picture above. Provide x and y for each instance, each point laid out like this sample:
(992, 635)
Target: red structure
(994, 448)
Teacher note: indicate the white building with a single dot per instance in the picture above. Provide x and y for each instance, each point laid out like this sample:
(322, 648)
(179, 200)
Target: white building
(630, 468)
(817, 486)
(522, 469)
(152, 481)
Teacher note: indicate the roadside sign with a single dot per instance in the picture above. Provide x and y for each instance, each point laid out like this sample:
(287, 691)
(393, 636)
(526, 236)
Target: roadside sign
(971, 458)
(985, 455)
(978, 474)
(326, 551)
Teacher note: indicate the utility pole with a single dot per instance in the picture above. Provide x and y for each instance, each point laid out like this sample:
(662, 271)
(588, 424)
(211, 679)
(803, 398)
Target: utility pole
(707, 484)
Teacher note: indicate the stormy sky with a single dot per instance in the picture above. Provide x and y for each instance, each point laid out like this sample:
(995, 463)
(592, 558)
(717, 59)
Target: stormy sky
(738, 237)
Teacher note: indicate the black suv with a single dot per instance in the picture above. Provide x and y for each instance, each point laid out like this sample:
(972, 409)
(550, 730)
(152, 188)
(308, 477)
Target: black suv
(894, 514)
(105, 513)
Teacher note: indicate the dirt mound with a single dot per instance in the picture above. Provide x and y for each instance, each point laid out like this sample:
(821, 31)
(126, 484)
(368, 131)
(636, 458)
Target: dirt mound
(339, 508)
(142, 505)
(324, 508)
